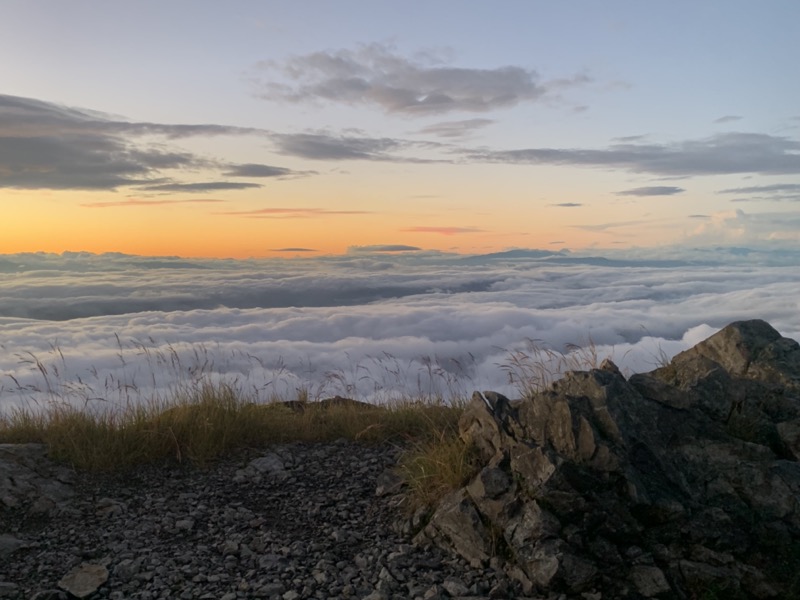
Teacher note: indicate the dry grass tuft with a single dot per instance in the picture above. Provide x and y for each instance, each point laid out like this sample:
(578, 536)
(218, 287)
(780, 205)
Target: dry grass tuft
(107, 424)
(434, 467)
(535, 367)
(210, 422)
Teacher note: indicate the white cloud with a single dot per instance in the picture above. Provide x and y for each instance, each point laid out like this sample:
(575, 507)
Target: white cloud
(419, 323)
(740, 227)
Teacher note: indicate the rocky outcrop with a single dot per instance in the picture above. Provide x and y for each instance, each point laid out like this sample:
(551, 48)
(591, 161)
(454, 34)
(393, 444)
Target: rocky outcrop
(299, 406)
(679, 483)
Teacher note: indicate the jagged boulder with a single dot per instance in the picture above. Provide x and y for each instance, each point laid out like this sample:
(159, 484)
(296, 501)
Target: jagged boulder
(673, 484)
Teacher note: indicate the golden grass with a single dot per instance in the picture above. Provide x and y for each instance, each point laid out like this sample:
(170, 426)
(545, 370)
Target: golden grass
(434, 467)
(210, 422)
(201, 421)
(215, 420)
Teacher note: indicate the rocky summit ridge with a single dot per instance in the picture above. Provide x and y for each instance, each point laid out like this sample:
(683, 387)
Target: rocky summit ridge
(682, 482)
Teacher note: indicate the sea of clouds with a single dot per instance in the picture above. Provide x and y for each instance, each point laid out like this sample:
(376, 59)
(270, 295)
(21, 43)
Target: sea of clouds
(106, 330)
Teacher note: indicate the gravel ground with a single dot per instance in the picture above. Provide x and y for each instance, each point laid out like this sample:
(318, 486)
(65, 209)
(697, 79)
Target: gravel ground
(299, 521)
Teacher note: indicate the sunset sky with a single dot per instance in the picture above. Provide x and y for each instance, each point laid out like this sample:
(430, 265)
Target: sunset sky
(641, 159)
(252, 129)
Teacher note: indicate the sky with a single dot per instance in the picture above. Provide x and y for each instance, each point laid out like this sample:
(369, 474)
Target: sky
(382, 199)
(286, 129)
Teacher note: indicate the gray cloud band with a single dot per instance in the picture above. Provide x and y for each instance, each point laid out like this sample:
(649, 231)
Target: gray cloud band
(380, 324)
(376, 75)
(47, 146)
(720, 154)
(656, 190)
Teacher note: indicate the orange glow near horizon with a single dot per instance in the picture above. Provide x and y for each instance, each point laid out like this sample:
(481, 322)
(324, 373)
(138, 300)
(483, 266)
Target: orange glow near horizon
(252, 242)
(329, 222)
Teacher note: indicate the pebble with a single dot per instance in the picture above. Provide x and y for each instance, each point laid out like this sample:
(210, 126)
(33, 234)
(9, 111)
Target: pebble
(298, 521)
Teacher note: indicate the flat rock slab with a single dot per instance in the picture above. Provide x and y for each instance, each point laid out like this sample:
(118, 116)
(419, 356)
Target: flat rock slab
(83, 580)
(29, 480)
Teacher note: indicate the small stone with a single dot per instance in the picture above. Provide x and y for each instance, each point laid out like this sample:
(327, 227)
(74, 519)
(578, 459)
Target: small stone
(42, 506)
(126, 569)
(269, 464)
(49, 595)
(84, 579)
(377, 595)
(499, 590)
(230, 548)
(433, 593)
(321, 577)
(389, 482)
(271, 589)
(454, 587)
(9, 544)
(649, 581)
(108, 507)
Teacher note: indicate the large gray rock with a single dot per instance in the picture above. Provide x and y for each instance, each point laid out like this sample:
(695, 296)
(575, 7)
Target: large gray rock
(30, 481)
(458, 522)
(673, 484)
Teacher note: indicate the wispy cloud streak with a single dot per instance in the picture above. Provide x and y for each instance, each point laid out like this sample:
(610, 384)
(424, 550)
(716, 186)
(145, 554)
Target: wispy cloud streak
(444, 230)
(720, 154)
(290, 212)
(657, 190)
(140, 202)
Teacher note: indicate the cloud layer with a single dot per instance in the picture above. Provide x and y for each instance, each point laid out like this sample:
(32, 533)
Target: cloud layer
(656, 190)
(376, 75)
(48, 146)
(369, 324)
(720, 154)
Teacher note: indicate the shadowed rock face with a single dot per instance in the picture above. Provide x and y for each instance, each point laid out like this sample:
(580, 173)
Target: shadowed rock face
(673, 484)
